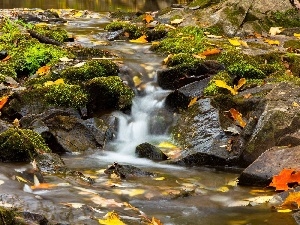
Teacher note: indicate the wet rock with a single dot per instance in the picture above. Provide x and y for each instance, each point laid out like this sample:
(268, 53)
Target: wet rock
(30, 218)
(178, 76)
(50, 163)
(126, 171)
(180, 98)
(3, 54)
(278, 120)
(65, 131)
(270, 163)
(199, 131)
(146, 150)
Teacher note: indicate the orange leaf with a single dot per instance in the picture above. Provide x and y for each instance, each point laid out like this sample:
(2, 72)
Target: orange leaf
(3, 100)
(141, 39)
(285, 177)
(211, 51)
(237, 116)
(193, 101)
(43, 70)
(293, 197)
(6, 58)
(241, 82)
(43, 186)
(148, 18)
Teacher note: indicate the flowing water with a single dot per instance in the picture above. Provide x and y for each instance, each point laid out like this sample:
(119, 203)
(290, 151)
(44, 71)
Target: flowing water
(176, 196)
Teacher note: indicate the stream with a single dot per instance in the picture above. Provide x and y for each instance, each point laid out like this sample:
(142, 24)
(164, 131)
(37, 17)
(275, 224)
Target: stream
(176, 196)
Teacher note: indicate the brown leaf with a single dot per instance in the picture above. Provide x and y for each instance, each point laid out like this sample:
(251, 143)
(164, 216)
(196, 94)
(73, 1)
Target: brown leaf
(237, 116)
(212, 51)
(148, 18)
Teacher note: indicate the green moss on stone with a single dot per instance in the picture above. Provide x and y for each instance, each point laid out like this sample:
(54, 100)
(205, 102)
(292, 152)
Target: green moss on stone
(7, 216)
(212, 89)
(183, 58)
(246, 70)
(134, 31)
(55, 33)
(203, 3)
(21, 145)
(7, 70)
(289, 18)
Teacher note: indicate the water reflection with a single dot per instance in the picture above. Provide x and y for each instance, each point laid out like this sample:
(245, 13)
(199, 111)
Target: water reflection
(94, 5)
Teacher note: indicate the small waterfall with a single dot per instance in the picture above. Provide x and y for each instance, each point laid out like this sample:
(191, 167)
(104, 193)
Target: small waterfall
(135, 128)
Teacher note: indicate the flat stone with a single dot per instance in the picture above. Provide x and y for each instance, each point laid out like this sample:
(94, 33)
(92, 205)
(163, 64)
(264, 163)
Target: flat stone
(270, 163)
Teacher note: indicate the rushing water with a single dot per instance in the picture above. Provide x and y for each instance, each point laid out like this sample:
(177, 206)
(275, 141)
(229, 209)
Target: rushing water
(180, 196)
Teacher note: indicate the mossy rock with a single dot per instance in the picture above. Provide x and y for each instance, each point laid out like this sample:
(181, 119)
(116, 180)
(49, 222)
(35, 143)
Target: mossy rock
(203, 3)
(108, 93)
(7, 216)
(134, 31)
(21, 145)
(212, 88)
(246, 70)
(90, 70)
(288, 18)
(7, 70)
(183, 58)
(57, 34)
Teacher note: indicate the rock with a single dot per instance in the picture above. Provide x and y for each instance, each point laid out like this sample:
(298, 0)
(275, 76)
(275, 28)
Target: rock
(278, 120)
(50, 163)
(178, 76)
(199, 131)
(3, 54)
(146, 150)
(180, 98)
(270, 163)
(127, 171)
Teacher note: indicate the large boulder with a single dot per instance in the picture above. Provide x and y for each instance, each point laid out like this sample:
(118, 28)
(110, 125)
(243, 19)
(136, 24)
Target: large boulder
(146, 150)
(270, 163)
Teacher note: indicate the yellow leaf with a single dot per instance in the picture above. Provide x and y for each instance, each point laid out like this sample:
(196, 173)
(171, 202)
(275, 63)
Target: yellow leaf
(43, 70)
(78, 14)
(166, 144)
(241, 82)
(48, 83)
(222, 84)
(237, 116)
(130, 192)
(148, 18)
(284, 210)
(275, 30)
(159, 178)
(176, 21)
(293, 198)
(295, 104)
(297, 35)
(59, 81)
(167, 59)
(272, 42)
(136, 80)
(155, 221)
(111, 218)
(21, 179)
(193, 101)
(234, 42)
(141, 39)
(223, 189)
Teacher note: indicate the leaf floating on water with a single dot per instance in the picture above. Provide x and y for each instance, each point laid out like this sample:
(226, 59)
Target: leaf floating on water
(111, 218)
(141, 40)
(285, 177)
(237, 116)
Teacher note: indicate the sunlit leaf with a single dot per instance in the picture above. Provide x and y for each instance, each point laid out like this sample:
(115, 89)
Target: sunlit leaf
(284, 210)
(213, 36)
(292, 198)
(166, 144)
(237, 116)
(297, 35)
(241, 82)
(285, 177)
(79, 64)
(193, 101)
(59, 81)
(43, 70)
(222, 84)
(223, 189)
(246, 96)
(176, 21)
(295, 104)
(21, 179)
(148, 18)
(141, 39)
(130, 192)
(111, 218)
(137, 81)
(6, 58)
(167, 59)
(155, 221)
(257, 35)
(272, 42)
(212, 51)
(3, 101)
(78, 14)
(234, 42)
(159, 178)
(65, 59)
(275, 30)
(43, 186)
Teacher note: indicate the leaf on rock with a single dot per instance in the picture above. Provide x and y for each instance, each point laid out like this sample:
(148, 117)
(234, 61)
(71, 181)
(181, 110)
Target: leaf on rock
(176, 21)
(292, 198)
(241, 82)
(285, 177)
(111, 218)
(275, 30)
(193, 101)
(148, 18)
(272, 42)
(222, 84)
(43, 70)
(3, 101)
(141, 39)
(237, 116)
(155, 221)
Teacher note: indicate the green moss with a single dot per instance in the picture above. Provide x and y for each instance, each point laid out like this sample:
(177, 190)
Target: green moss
(21, 145)
(187, 39)
(212, 89)
(293, 44)
(294, 63)
(183, 58)
(56, 33)
(116, 25)
(109, 93)
(134, 31)
(246, 70)
(7, 70)
(7, 216)
(66, 95)
(90, 70)
(203, 3)
(289, 18)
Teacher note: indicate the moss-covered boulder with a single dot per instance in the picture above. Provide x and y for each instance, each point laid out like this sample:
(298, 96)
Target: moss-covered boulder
(7, 216)
(108, 93)
(21, 145)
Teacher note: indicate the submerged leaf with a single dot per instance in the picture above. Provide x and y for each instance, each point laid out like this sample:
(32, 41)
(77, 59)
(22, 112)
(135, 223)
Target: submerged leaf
(111, 218)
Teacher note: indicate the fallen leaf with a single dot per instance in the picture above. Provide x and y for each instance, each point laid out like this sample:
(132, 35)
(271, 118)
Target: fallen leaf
(176, 21)
(111, 218)
(246, 96)
(155, 221)
(297, 35)
(166, 144)
(212, 51)
(167, 59)
(237, 116)
(43, 186)
(257, 35)
(241, 82)
(275, 30)
(65, 59)
(136, 80)
(21, 179)
(6, 58)
(74, 205)
(141, 39)
(285, 177)
(159, 178)
(79, 64)
(284, 210)
(213, 36)
(78, 14)
(222, 84)
(292, 198)
(3, 101)
(129, 192)
(148, 18)
(295, 104)
(234, 42)
(272, 42)
(193, 101)
(43, 70)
